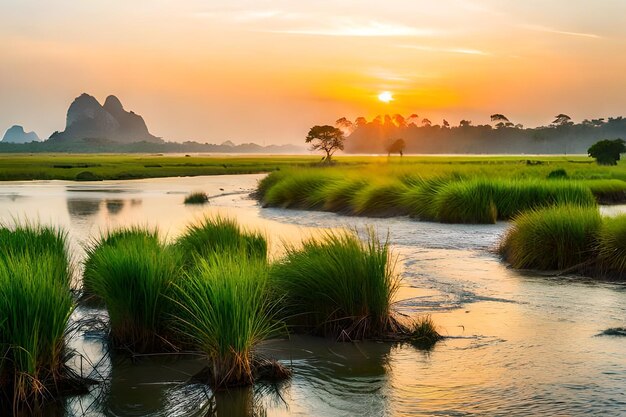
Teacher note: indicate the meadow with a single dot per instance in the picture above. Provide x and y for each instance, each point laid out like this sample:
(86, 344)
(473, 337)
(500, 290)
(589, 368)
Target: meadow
(94, 167)
(90, 167)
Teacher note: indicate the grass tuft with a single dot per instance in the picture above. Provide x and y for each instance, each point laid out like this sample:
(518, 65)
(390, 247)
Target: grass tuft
(338, 286)
(197, 197)
(380, 200)
(423, 333)
(132, 273)
(218, 235)
(24, 239)
(612, 245)
(35, 306)
(133, 235)
(553, 238)
(224, 310)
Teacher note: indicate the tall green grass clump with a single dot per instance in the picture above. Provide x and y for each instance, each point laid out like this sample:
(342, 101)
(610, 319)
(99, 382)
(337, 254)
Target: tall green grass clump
(611, 243)
(380, 199)
(419, 199)
(268, 182)
(553, 238)
(298, 190)
(216, 235)
(133, 278)
(338, 286)
(37, 240)
(465, 202)
(136, 235)
(224, 310)
(515, 196)
(607, 191)
(35, 306)
(339, 195)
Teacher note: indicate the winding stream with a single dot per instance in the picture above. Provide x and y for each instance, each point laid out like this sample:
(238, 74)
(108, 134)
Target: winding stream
(518, 344)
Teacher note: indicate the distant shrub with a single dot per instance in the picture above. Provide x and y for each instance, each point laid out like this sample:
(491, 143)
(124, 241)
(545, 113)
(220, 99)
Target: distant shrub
(87, 176)
(557, 173)
(607, 152)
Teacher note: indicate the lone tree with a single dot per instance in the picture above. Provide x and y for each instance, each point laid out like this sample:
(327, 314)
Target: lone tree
(607, 152)
(327, 138)
(397, 146)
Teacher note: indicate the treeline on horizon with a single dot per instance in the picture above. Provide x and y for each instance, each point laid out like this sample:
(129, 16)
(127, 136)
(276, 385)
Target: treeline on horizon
(93, 145)
(562, 136)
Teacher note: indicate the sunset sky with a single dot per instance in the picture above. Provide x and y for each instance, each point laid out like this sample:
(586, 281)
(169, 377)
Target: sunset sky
(265, 71)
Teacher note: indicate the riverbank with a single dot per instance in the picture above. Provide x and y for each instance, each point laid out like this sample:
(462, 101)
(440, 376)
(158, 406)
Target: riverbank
(480, 191)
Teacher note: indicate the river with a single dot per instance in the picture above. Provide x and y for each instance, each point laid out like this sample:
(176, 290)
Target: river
(517, 344)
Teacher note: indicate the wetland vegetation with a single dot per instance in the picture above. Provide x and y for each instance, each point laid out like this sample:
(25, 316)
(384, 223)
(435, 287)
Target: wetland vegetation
(211, 291)
(448, 194)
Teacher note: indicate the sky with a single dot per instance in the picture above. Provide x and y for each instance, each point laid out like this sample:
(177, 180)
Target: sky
(265, 71)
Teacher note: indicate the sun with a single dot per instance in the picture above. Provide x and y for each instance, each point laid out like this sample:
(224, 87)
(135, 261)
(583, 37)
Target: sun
(385, 96)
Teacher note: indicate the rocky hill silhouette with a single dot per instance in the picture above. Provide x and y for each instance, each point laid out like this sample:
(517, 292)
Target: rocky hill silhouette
(88, 119)
(16, 134)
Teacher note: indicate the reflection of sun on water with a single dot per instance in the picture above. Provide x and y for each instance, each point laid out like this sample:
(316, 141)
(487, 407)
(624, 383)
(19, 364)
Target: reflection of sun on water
(385, 96)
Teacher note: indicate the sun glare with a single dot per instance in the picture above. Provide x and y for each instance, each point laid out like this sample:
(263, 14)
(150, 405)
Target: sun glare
(385, 96)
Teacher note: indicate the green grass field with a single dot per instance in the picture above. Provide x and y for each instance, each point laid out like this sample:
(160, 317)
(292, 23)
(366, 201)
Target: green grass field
(129, 166)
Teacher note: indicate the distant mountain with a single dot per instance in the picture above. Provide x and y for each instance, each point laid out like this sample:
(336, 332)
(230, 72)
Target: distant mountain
(94, 128)
(87, 119)
(16, 134)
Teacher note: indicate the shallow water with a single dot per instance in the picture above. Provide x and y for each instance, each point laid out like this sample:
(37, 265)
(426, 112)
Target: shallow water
(519, 344)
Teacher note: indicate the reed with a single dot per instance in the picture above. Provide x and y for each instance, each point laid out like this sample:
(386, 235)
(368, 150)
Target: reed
(224, 310)
(217, 235)
(338, 196)
(456, 197)
(611, 245)
(35, 306)
(380, 199)
(338, 286)
(466, 202)
(553, 238)
(607, 191)
(135, 235)
(36, 239)
(133, 277)
(298, 189)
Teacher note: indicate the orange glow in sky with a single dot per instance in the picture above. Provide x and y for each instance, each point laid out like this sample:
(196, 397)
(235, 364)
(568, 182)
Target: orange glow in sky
(265, 71)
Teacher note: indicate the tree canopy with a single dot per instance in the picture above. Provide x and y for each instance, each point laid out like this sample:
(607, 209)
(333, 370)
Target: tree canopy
(326, 138)
(397, 146)
(607, 152)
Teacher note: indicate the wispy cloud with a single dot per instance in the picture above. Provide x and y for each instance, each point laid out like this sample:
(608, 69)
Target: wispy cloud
(355, 28)
(247, 16)
(547, 29)
(281, 21)
(464, 51)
